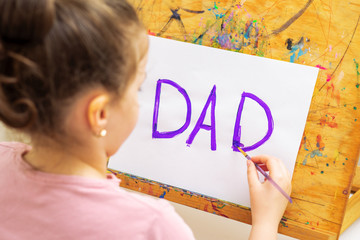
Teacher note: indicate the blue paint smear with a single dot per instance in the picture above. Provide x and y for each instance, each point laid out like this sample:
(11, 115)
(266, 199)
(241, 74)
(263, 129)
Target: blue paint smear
(247, 34)
(312, 155)
(292, 58)
(163, 195)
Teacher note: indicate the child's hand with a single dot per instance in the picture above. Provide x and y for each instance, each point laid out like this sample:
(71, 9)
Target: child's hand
(267, 203)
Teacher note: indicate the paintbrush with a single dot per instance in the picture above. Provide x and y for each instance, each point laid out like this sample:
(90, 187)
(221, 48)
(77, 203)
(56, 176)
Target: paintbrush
(267, 176)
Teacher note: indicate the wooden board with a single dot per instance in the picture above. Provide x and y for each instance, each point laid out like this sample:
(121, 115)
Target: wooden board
(310, 32)
(356, 182)
(352, 211)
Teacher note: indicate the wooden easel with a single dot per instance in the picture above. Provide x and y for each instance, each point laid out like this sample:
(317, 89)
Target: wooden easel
(317, 33)
(353, 206)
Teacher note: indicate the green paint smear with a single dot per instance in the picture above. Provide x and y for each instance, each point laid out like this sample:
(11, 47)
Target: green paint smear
(322, 172)
(357, 72)
(283, 224)
(355, 108)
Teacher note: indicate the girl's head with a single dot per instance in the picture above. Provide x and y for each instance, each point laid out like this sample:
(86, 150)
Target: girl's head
(54, 52)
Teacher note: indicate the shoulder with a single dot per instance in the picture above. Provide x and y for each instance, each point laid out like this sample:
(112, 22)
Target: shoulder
(141, 214)
(166, 224)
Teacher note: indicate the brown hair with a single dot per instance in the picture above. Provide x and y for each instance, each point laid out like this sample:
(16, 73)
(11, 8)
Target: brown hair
(52, 50)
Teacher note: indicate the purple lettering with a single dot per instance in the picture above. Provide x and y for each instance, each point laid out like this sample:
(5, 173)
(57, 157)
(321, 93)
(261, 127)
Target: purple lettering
(237, 128)
(200, 122)
(171, 134)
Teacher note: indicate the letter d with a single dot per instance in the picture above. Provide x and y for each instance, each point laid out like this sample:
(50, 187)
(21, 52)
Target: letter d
(237, 128)
(171, 134)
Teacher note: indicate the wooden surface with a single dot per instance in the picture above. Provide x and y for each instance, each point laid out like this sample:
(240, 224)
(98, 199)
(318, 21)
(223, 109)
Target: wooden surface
(323, 34)
(352, 211)
(356, 182)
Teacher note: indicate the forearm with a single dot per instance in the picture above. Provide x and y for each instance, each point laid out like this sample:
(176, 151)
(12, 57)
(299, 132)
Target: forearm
(264, 232)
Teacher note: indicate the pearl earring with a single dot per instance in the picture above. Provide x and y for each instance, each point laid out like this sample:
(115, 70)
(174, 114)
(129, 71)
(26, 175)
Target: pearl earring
(103, 133)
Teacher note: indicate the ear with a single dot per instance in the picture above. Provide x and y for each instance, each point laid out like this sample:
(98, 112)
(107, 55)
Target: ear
(97, 113)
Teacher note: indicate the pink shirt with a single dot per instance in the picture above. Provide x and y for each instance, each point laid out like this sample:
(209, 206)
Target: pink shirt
(39, 205)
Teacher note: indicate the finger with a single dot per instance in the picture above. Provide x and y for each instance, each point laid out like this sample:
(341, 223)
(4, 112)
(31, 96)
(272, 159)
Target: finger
(263, 166)
(284, 170)
(253, 177)
(270, 162)
(274, 165)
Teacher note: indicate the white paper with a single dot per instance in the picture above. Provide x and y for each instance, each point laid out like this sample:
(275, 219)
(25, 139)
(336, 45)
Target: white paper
(286, 88)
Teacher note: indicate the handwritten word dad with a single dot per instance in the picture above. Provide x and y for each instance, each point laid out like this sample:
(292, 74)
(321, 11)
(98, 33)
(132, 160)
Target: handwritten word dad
(212, 127)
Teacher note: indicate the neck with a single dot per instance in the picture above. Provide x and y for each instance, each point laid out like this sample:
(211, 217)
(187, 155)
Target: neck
(72, 159)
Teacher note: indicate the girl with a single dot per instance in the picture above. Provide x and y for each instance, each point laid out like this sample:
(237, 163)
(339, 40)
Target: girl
(69, 75)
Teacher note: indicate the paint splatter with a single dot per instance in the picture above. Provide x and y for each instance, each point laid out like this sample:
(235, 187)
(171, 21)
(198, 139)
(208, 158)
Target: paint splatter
(321, 67)
(235, 31)
(162, 195)
(328, 120)
(319, 143)
(283, 224)
(217, 12)
(331, 92)
(317, 152)
(303, 142)
(298, 49)
(357, 73)
(328, 77)
(289, 43)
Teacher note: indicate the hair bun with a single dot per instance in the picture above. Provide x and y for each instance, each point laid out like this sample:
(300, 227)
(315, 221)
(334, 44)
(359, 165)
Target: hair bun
(25, 21)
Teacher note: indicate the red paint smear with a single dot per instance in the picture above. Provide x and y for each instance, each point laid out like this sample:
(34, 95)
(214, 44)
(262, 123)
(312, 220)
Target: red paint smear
(151, 190)
(217, 211)
(206, 207)
(326, 121)
(321, 67)
(328, 77)
(303, 142)
(151, 33)
(312, 173)
(333, 93)
(319, 143)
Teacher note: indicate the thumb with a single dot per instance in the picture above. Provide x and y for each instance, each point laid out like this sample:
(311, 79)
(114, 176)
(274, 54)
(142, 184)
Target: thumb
(252, 175)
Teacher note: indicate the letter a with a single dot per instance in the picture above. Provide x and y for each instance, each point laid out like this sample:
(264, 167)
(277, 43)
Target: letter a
(200, 122)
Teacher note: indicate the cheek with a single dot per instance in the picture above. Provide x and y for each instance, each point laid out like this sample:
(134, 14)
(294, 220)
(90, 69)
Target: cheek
(134, 112)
